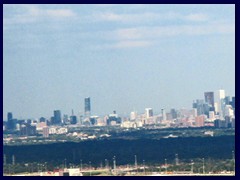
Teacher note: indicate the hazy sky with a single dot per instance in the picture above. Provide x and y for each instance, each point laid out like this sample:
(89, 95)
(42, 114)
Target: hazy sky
(125, 57)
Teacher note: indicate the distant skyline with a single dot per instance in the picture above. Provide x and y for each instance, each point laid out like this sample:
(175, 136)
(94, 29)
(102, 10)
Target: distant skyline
(124, 57)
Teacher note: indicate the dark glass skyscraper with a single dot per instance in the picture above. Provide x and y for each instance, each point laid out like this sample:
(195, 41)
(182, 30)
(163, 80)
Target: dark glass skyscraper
(9, 116)
(11, 123)
(227, 100)
(209, 98)
(87, 106)
(57, 117)
(73, 119)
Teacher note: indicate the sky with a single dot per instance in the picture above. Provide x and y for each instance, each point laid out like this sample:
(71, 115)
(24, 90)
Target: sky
(125, 57)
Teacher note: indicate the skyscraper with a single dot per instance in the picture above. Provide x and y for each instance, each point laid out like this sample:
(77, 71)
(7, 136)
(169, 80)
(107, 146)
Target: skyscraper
(209, 98)
(199, 105)
(227, 100)
(133, 115)
(148, 112)
(11, 123)
(220, 95)
(73, 119)
(9, 116)
(57, 117)
(174, 113)
(87, 106)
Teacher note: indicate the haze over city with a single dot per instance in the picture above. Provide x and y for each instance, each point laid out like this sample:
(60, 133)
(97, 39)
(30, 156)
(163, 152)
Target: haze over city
(125, 57)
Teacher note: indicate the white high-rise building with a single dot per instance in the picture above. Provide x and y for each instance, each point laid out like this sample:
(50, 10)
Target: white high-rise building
(220, 95)
(149, 112)
(211, 115)
(229, 111)
(133, 115)
(216, 106)
(164, 117)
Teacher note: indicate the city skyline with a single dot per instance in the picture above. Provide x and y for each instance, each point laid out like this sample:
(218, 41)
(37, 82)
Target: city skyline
(124, 57)
(208, 99)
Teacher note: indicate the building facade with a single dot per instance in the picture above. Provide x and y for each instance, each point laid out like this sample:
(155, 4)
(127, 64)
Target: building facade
(57, 117)
(87, 106)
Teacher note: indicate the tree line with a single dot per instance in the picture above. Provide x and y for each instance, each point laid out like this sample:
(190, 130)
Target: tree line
(98, 151)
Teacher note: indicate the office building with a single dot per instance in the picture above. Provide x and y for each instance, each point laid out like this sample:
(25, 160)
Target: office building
(65, 119)
(174, 113)
(199, 105)
(133, 115)
(57, 117)
(211, 115)
(11, 123)
(93, 120)
(233, 122)
(9, 116)
(164, 117)
(199, 121)
(227, 100)
(233, 102)
(73, 119)
(113, 119)
(194, 112)
(207, 108)
(229, 111)
(42, 119)
(45, 132)
(148, 112)
(219, 123)
(27, 130)
(87, 105)
(209, 98)
(220, 102)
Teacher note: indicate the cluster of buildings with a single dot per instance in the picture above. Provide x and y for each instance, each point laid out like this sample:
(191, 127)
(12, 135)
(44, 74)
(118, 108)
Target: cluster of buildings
(215, 109)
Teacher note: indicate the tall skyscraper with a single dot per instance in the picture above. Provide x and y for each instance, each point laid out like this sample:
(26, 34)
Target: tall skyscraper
(87, 105)
(11, 123)
(65, 118)
(9, 116)
(73, 119)
(133, 115)
(228, 111)
(57, 117)
(148, 112)
(174, 113)
(220, 103)
(209, 98)
(199, 105)
(227, 100)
